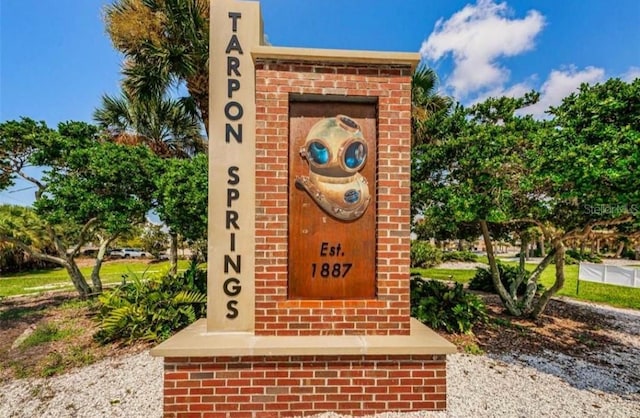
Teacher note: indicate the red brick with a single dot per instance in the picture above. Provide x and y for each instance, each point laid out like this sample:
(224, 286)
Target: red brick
(201, 407)
(201, 391)
(277, 406)
(227, 391)
(227, 407)
(399, 406)
(188, 383)
(176, 376)
(187, 399)
(251, 407)
(177, 407)
(423, 405)
(173, 392)
(325, 406)
(214, 399)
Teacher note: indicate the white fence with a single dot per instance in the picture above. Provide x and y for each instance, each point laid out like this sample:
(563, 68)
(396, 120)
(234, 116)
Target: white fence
(602, 273)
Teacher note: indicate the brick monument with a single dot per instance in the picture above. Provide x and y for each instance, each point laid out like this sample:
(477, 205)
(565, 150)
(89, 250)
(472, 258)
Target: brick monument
(308, 274)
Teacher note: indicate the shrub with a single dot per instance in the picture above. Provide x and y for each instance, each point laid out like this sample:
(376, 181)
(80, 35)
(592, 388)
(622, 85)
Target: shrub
(630, 254)
(423, 254)
(508, 274)
(464, 256)
(583, 256)
(439, 306)
(152, 309)
(570, 261)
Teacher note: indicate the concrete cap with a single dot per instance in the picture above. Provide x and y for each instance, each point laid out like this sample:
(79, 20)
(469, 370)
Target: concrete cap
(194, 341)
(336, 55)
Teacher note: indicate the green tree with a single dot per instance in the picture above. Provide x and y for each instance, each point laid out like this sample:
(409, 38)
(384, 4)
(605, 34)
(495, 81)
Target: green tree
(490, 166)
(166, 45)
(182, 196)
(165, 125)
(88, 187)
(472, 170)
(589, 160)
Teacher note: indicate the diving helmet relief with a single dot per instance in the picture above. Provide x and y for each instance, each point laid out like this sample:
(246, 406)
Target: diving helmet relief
(336, 151)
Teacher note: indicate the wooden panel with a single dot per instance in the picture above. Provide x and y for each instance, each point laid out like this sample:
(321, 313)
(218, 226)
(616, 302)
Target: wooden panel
(330, 258)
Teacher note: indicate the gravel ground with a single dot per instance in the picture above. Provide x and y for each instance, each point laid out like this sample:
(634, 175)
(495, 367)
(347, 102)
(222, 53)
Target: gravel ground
(509, 385)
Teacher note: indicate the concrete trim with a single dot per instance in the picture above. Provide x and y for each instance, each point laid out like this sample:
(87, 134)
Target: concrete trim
(336, 55)
(195, 341)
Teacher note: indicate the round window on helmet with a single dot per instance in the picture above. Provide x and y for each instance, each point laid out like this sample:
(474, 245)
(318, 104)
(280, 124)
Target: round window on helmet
(355, 155)
(318, 153)
(347, 123)
(351, 196)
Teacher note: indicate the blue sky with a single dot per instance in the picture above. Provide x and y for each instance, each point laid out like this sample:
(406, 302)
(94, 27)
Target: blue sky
(56, 60)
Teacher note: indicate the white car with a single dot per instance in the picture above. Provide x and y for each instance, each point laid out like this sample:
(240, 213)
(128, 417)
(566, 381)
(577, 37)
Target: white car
(127, 253)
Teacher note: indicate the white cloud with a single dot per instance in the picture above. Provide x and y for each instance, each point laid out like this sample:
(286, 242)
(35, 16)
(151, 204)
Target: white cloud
(476, 37)
(559, 85)
(631, 74)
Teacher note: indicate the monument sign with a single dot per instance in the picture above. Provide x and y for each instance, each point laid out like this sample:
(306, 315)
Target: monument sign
(308, 273)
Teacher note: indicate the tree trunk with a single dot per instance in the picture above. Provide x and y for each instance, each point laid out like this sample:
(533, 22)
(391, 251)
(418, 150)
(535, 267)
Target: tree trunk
(557, 285)
(95, 272)
(513, 289)
(77, 278)
(523, 245)
(61, 259)
(597, 246)
(532, 283)
(173, 253)
(508, 302)
(541, 247)
(620, 249)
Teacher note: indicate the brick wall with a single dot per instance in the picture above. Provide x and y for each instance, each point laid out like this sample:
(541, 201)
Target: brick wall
(388, 314)
(302, 385)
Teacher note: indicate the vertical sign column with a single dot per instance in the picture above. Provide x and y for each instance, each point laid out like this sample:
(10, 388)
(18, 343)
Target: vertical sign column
(235, 30)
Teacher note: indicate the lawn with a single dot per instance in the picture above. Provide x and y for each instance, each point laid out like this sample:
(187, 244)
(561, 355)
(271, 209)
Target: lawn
(460, 276)
(623, 297)
(38, 281)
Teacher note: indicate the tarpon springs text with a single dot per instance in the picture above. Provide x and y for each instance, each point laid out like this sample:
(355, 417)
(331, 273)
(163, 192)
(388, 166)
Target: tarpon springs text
(233, 111)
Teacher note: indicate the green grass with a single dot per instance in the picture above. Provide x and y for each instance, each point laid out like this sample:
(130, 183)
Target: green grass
(39, 281)
(460, 276)
(623, 297)
(46, 333)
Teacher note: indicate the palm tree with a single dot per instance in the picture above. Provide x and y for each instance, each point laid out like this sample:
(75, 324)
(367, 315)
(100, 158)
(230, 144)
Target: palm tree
(424, 100)
(166, 45)
(164, 125)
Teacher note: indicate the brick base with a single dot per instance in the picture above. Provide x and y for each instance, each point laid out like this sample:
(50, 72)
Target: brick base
(261, 386)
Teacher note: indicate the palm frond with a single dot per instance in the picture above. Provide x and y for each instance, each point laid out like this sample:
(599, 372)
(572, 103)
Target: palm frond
(188, 297)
